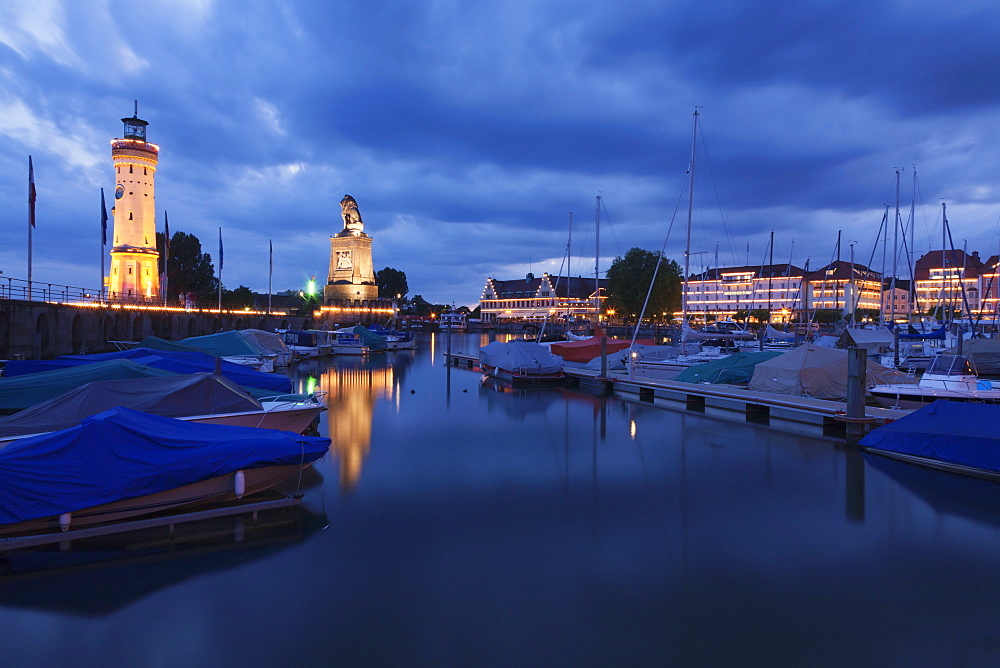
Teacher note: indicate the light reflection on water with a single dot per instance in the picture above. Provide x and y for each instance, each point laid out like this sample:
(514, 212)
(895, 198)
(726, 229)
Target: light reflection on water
(468, 523)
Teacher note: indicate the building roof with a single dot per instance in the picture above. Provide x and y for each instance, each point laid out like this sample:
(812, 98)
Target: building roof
(841, 270)
(571, 287)
(973, 265)
(758, 271)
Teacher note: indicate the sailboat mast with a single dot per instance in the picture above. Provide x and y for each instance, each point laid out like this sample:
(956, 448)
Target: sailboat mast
(944, 260)
(770, 275)
(687, 246)
(597, 273)
(895, 246)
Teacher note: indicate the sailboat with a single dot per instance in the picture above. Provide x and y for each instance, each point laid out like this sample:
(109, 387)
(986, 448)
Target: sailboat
(713, 343)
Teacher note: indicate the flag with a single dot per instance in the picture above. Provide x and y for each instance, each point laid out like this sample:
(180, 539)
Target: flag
(270, 257)
(31, 192)
(220, 249)
(166, 237)
(104, 220)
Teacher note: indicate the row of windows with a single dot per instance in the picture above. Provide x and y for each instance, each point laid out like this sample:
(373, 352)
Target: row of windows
(119, 170)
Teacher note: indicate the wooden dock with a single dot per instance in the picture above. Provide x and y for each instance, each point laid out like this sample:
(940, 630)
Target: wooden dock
(829, 417)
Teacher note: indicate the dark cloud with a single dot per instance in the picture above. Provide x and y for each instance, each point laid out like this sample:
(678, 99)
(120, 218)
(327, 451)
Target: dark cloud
(468, 132)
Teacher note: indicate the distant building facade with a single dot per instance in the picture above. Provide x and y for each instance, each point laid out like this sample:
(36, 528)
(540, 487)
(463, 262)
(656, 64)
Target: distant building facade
(537, 298)
(958, 281)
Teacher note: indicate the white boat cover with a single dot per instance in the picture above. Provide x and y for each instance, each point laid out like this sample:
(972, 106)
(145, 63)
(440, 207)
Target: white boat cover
(809, 371)
(519, 356)
(269, 341)
(772, 334)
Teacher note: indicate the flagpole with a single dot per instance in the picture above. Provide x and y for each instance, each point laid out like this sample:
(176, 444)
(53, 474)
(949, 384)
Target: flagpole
(31, 216)
(166, 255)
(220, 270)
(104, 241)
(270, 272)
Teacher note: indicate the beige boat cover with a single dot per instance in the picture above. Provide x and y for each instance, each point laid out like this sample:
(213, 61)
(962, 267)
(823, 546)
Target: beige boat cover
(810, 371)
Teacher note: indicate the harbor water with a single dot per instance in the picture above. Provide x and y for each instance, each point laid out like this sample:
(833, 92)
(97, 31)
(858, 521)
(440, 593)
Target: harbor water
(456, 521)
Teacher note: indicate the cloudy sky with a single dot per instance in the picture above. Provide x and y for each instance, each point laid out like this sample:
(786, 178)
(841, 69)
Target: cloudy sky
(468, 131)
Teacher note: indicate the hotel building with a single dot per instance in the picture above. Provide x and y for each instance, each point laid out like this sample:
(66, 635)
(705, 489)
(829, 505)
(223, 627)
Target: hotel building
(532, 298)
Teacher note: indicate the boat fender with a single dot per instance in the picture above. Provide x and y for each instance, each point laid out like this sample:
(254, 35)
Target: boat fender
(65, 520)
(240, 484)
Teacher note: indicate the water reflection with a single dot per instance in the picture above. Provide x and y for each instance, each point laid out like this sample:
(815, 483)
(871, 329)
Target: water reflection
(97, 576)
(352, 386)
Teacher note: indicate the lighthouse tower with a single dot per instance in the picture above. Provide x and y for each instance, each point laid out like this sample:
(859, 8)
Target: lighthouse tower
(134, 270)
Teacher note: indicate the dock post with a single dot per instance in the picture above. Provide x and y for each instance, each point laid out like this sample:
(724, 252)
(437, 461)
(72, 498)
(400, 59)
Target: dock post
(856, 373)
(604, 357)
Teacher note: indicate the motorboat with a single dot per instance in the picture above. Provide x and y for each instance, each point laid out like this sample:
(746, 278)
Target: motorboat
(521, 362)
(121, 464)
(175, 361)
(303, 345)
(452, 321)
(394, 339)
(946, 435)
(202, 397)
(231, 346)
(950, 377)
(270, 342)
(357, 340)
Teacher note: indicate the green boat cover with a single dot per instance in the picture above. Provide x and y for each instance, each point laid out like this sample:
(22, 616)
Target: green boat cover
(19, 392)
(370, 338)
(735, 369)
(223, 344)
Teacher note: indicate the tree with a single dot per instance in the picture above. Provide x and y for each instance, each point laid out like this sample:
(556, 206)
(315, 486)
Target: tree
(238, 299)
(391, 282)
(629, 280)
(188, 269)
(420, 305)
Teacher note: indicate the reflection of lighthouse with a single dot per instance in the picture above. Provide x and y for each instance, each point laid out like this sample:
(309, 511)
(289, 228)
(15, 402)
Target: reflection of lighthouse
(134, 270)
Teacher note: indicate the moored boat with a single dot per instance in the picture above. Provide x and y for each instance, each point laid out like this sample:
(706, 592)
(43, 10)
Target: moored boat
(947, 435)
(204, 397)
(949, 377)
(122, 463)
(521, 363)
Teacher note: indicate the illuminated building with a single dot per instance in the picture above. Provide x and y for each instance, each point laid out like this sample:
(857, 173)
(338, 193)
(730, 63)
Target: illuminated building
(719, 293)
(533, 298)
(134, 273)
(845, 287)
(957, 281)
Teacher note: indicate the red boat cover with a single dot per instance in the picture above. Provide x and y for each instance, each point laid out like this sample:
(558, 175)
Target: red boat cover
(588, 349)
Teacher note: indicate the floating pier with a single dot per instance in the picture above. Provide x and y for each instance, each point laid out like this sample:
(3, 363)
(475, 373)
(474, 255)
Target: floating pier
(829, 417)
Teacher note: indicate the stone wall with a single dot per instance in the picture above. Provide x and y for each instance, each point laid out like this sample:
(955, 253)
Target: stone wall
(38, 330)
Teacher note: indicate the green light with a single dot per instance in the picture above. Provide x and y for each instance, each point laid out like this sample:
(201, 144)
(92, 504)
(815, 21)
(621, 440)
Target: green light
(311, 286)
(310, 385)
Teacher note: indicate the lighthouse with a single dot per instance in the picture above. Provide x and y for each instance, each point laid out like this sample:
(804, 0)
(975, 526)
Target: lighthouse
(134, 269)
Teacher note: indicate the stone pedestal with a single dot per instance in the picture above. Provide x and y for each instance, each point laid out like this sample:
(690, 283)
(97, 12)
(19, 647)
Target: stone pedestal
(351, 274)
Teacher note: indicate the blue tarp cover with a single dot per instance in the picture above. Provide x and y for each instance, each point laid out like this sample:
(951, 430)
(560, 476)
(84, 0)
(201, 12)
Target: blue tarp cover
(913, 333)
(123, 454)
(948, 431)
(175, 361)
